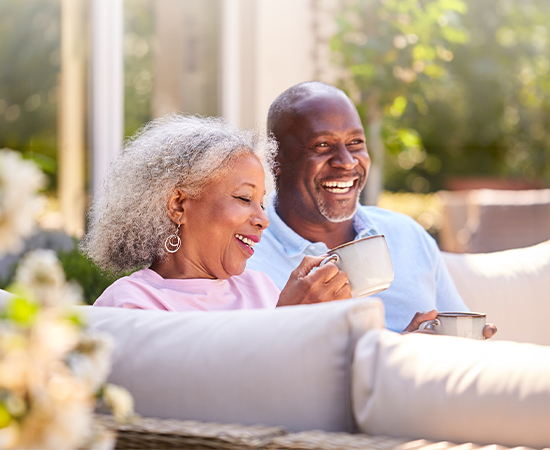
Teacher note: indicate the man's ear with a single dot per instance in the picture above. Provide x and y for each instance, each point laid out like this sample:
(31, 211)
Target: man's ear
(276, 167)
(177, 205)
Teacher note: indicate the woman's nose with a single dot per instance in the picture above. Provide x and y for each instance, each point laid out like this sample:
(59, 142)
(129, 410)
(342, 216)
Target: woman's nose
(261, 220)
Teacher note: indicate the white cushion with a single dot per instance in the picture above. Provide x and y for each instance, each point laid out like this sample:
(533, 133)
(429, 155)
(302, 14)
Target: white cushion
(511, 286)
(454, 389)
(288, 367)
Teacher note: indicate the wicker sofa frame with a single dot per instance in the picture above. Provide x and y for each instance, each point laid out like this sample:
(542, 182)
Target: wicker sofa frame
(151, 433)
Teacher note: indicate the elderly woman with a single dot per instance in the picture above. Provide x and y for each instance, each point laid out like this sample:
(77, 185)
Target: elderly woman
(183, 203)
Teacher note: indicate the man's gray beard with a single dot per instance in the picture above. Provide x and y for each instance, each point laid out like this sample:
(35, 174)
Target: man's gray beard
(330, 215)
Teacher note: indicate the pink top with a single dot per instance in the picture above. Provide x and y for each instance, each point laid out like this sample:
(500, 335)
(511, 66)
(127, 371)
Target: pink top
(146, 289)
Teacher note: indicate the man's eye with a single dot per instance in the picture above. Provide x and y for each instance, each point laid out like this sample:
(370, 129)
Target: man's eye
(356, 142)
(262, 206)
(322, 144)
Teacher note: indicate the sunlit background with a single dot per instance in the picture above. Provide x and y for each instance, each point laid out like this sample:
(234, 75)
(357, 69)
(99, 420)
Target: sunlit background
(454, 94)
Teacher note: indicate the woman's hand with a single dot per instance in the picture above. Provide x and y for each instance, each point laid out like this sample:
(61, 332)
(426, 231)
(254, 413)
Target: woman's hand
(322, 285)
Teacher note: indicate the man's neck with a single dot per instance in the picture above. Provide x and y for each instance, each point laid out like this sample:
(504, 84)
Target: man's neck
(332, 234)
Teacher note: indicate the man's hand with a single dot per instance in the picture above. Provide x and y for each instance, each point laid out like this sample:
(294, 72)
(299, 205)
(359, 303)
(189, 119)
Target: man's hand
(322, 285)
(418, 318)
(488, 331)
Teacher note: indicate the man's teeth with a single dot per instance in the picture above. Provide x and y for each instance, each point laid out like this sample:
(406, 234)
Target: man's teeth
(338, 187)
(247, 241)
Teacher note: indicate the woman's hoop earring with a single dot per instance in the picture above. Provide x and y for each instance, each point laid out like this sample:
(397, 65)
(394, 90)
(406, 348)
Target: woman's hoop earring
(173, 242)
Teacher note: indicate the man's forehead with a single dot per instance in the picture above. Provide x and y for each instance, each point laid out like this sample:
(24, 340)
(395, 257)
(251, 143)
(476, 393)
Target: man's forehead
(324, 114)
(316, 101)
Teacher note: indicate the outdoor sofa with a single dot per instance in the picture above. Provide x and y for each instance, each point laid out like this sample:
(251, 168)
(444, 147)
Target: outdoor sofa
(330, 376)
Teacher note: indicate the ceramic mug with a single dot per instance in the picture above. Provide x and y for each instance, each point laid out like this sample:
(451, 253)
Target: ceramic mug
(461, 324)
(367, 263)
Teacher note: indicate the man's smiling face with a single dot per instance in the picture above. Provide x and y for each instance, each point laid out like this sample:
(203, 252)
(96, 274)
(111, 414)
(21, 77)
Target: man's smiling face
(323, 160)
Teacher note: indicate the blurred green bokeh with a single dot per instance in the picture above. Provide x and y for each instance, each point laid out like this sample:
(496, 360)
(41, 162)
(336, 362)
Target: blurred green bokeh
(30, 69)
(453, 87)
(457, 87)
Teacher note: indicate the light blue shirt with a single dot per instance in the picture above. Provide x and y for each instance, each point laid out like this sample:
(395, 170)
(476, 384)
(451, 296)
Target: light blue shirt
(421, 280)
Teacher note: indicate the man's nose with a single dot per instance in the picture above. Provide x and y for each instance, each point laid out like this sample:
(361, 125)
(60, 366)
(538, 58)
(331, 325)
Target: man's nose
(343, 158)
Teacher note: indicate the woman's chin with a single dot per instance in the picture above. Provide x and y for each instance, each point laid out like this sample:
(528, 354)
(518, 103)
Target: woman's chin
(232, 272)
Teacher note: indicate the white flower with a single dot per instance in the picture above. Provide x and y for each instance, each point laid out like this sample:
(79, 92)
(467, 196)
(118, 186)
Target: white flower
(119, 400)
(91, 361)
(19, 182)
(60, 416)
(41, 272)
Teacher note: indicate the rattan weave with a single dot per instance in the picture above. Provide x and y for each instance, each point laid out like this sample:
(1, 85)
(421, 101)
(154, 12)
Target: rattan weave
(150, 433)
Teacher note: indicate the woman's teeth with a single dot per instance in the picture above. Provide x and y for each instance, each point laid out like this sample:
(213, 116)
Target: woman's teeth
(338, 187)
(245, 240)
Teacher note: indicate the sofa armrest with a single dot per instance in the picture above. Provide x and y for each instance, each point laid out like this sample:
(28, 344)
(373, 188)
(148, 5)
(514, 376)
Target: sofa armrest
(454, 389)
(511, 286)
(286, 367)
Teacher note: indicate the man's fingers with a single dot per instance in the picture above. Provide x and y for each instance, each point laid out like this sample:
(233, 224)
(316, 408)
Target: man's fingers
(420, 317)
(308, 264)
(344, 292)
(489, 330)
(326, 273)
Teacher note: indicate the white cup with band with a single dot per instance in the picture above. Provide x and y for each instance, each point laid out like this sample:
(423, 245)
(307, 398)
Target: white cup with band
(366, 262)
(461, 324)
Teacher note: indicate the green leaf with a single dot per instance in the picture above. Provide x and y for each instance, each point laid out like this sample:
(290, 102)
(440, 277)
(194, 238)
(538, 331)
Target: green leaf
(46, 163)
(409, 137)
(398, 107)
(21, 308)
(5, 416)
(423, 52)
(454, 5)
(366, 70)
(454, 35)
(434, 71)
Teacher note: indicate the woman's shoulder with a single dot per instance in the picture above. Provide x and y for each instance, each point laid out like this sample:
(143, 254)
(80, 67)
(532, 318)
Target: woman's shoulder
(127, 287)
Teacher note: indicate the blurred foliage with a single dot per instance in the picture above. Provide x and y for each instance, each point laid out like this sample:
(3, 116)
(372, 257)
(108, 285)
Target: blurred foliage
(30, 63)
(81, 270)
(138, 64)
(426, 209)
(30, 60)
(453, 87)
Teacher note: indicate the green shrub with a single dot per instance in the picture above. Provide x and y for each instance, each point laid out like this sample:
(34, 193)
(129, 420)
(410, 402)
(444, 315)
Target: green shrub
(80, 269)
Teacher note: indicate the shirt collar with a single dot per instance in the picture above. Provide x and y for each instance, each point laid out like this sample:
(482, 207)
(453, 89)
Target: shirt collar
(362, 224)
(294, 244)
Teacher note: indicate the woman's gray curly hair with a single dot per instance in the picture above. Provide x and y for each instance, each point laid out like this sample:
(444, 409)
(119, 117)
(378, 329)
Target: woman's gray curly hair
(128, 218)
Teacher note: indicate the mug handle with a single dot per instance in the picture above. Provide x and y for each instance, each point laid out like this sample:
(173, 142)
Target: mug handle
(429, 325)
(330, 258)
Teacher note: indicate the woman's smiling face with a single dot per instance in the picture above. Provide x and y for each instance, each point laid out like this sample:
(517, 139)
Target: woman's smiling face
(219, 228)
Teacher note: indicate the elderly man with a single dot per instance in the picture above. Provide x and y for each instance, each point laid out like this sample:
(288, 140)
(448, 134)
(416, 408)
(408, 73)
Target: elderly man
(322, 166)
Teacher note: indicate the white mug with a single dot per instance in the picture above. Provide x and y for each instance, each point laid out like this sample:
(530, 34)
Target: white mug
(366, 262)
(461, 324)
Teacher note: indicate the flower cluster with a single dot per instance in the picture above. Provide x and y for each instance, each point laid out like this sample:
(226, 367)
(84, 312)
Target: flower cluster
(19, 182)
(52, 368)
